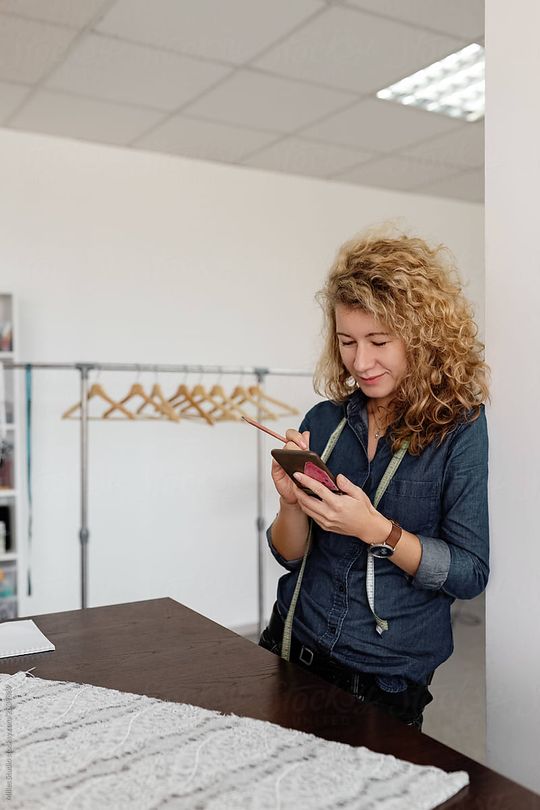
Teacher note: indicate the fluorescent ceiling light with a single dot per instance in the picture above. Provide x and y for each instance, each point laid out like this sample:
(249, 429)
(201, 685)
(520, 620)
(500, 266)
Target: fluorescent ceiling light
(454, 86)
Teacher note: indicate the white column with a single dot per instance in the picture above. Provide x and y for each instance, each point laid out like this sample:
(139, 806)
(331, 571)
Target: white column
(513, 351)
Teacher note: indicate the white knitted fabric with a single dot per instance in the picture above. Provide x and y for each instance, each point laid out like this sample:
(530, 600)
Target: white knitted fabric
(69, 745)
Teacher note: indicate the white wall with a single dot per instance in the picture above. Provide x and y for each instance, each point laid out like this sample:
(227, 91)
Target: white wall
(513, 338)
(127, 256)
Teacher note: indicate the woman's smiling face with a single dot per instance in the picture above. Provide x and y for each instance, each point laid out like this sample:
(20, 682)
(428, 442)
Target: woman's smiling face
(370, 353)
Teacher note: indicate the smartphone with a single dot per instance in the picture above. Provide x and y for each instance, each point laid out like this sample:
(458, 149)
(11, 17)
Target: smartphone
(309, 463)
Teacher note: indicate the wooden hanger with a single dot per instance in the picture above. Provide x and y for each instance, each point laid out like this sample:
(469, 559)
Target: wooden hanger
(96, 390)
(230, 410)
(160, 403)
(240, 395)
(138, 391)
(220, 411)
(183, 395)
(258, 393)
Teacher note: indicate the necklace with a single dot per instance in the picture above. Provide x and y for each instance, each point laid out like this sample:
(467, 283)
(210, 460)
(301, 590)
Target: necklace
(378, 428)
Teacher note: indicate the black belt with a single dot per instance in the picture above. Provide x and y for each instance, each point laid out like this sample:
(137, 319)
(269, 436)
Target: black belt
(317, 661)
(298, 651)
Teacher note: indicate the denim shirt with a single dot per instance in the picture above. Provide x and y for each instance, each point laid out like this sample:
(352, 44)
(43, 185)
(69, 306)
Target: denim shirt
(440, 496)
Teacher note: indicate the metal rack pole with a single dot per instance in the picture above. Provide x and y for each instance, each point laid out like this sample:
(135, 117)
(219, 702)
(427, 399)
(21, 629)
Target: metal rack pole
(260, 516)
(181, 368)
(84, 534)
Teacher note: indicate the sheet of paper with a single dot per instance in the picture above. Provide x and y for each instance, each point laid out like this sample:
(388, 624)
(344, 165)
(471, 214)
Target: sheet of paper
(22, 637)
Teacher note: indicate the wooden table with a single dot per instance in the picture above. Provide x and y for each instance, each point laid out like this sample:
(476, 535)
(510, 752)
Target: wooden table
(162, 649)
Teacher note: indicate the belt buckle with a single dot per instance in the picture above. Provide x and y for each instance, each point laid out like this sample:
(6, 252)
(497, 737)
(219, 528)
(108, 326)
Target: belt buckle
(310, 654)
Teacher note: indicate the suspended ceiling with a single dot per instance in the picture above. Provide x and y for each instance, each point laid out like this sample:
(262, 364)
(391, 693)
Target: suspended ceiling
(281, 85)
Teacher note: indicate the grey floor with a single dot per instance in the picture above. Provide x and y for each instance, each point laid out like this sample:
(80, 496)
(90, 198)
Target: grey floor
(457, 716)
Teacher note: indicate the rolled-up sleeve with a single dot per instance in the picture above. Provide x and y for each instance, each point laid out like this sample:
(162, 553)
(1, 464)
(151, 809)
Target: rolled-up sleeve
(290, 565)
(434, 565)
(457, 561)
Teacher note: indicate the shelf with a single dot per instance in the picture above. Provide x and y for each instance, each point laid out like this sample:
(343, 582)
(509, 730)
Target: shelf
(8, 607)
(9, 493)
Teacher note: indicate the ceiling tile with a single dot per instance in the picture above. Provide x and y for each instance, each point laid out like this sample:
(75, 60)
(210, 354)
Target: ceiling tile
(463, 147)
(29, 49)
(63, 12)
(379, 126)
(232, 31)
(461, 18)
(355, 51)
(69, 116)
(204, 139)
(466, 186)
(120, 71)
(264, 102)
(11, 96)
(297, 156)
(396, 172)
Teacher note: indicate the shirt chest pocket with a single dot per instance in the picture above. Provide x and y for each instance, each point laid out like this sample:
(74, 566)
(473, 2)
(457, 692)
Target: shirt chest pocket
(415, 505)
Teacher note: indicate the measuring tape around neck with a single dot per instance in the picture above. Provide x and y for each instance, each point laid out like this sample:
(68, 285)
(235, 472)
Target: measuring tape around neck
(380, 624)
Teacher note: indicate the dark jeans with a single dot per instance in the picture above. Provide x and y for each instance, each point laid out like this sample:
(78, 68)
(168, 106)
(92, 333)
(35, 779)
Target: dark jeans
(407, 706)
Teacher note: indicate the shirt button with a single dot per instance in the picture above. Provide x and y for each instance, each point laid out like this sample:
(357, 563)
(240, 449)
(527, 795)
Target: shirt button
(332, 628)
(342, 588)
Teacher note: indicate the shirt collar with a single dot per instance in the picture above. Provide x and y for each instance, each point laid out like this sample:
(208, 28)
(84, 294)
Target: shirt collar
(356, 407)
(357, 416)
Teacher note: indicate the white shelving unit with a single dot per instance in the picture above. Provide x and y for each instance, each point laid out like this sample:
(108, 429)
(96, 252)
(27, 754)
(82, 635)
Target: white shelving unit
(9, 473)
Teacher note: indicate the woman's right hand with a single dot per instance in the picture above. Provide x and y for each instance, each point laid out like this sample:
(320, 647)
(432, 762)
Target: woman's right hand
(284, 485)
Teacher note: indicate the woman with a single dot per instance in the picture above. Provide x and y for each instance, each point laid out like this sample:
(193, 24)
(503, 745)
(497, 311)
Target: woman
(403, 372)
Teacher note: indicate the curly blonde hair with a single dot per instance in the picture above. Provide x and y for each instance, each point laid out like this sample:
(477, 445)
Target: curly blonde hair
(413, 289)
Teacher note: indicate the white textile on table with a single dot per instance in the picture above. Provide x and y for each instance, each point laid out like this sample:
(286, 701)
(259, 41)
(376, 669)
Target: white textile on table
(80, 746)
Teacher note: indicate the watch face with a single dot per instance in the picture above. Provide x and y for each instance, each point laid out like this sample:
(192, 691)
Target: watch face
(381, 551)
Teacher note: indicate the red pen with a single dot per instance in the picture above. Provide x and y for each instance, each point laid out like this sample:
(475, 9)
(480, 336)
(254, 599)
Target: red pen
(265, 429)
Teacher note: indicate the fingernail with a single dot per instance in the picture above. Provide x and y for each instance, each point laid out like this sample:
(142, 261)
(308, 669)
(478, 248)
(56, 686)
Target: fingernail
(297, 475)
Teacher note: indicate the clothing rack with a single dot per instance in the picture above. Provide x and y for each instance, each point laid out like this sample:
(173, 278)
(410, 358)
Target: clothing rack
(259, 372)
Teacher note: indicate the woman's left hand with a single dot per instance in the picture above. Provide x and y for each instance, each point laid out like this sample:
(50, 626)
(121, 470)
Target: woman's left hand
(351, 513)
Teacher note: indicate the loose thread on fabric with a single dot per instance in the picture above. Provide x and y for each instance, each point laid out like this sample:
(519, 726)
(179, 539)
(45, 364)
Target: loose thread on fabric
(77, 793)
(197, 757)
(279, 780)
(196, 765)
(119, 744)
(8, 680)
(79, 692)
(266, 745)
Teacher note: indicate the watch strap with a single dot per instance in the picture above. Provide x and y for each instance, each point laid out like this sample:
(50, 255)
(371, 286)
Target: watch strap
(395, 534)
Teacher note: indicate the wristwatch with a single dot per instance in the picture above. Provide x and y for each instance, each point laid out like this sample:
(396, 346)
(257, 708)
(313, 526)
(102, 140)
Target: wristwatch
(387, 548)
